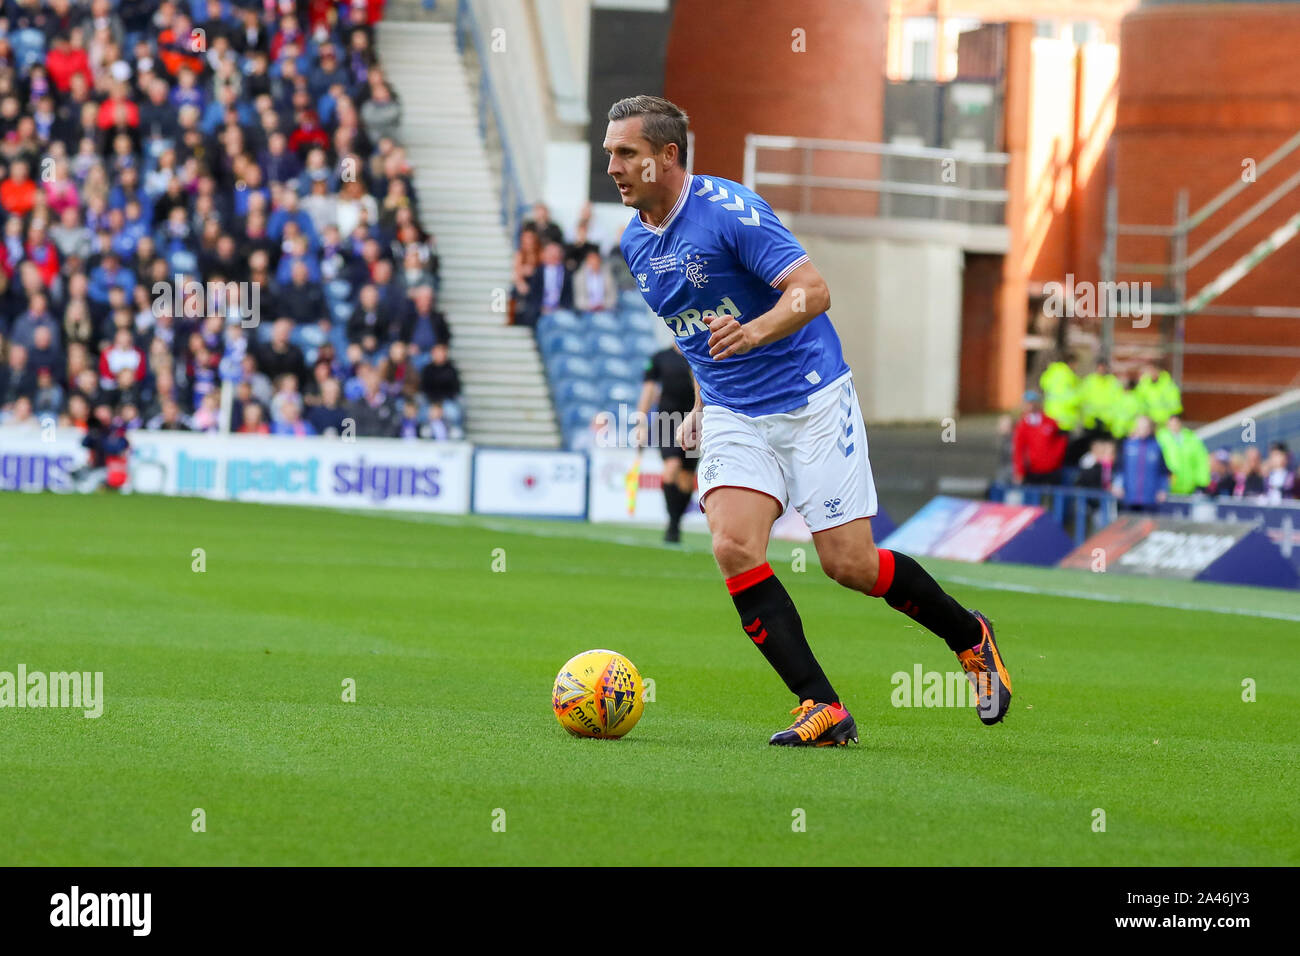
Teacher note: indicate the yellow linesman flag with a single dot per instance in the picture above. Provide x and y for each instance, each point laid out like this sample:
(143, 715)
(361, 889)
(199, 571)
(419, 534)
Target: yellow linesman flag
(632, 482)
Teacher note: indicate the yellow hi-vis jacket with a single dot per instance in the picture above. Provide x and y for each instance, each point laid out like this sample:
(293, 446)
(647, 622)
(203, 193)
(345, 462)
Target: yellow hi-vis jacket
(1187, 458)
(1098, 396)
(1060, 395)
(1159, 398)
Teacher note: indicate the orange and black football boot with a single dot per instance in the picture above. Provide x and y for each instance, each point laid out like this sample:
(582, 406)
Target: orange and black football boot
(818, 725)
(986, 670)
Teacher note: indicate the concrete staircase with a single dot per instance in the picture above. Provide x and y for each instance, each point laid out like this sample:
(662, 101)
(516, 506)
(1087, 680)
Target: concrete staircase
(507, 400)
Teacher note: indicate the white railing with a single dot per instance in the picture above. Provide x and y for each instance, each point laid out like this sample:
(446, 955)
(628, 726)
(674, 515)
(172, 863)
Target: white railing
(824, 177)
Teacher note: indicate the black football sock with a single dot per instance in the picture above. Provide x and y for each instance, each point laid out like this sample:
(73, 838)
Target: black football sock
(908, 587)
(677, 500)
(686, 501)
(769, 618)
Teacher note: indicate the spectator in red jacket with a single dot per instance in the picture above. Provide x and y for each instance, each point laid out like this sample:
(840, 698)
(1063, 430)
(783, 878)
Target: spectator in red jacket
(118, 112)
(374, 9)
(42, 252)
(123, 356)
(18, 192)
(64, 60)
(307, 134)
(1037, 445)
(289, 34)
(177, 44)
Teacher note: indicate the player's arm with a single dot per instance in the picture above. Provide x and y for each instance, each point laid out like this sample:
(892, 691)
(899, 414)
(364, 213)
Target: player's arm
(650, 391)
(688, 432)
(649, 395)
(804, 295)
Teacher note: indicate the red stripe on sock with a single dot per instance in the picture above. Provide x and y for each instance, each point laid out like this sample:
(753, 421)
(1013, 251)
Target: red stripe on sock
(885, 576)
(747, 579)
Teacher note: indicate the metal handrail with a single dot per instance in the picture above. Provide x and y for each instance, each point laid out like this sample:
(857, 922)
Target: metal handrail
(807, 181)
(1215, 348)
(1183, 226)
(1182, 260)
(883, 186)
(1235, 388)
(512, 199)
(761, 141)
(1231, 191)
(1234, 273)
(1214, 242)
(1146, 230)
(1245, 219)
(1067, 503)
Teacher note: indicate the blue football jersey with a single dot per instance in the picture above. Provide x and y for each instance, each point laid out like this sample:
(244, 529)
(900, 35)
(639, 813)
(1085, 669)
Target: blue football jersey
(722, 250)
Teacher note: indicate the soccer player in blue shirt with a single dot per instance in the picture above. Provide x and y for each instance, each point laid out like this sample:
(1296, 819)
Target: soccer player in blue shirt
(776, 418)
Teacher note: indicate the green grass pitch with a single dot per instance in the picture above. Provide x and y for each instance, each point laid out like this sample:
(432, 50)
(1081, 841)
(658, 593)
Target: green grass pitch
(224, 692)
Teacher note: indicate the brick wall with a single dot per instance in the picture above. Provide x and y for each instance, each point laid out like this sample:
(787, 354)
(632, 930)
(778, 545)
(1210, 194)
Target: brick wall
(733, 65)
(1202, 88)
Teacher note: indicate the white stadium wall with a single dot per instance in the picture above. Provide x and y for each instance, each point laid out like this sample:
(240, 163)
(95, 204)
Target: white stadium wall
(521, 84)
(565, 191)
(897, 307)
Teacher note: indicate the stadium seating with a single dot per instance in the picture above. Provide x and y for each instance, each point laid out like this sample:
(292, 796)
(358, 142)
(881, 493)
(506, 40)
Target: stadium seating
(29, 48)
(213, 160)
(594, 361)
(1276, 420)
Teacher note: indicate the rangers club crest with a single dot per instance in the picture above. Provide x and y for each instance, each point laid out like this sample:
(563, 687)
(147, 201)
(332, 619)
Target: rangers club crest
(695, 271)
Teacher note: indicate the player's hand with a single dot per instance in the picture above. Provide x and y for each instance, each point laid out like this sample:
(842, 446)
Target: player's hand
(688, 432)
(728, 337)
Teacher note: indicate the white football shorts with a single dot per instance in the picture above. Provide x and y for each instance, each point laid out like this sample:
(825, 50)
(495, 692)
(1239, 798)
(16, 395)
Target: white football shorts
(814, 458)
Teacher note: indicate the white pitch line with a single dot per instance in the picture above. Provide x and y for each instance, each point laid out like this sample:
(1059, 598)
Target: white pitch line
(1116, 598)
(628, 541)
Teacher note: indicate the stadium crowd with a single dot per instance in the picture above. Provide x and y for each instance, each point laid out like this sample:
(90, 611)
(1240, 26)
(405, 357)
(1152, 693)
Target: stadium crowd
(1099, 432)
(207, 192)
(551, 272)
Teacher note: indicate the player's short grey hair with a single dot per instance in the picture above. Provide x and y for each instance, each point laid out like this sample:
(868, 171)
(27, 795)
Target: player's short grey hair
(662, 122)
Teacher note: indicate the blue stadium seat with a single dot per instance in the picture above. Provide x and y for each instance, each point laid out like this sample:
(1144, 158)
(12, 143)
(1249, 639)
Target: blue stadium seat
(574, 390)
(307, 337)
(564, 342)
(339, 338)
(182, 260)
(631, 299)
(338, 290)
(578, 415)
(644, 345)
(341, 311)
(621, 392)
(572, 366)
(29, 48)
(602, 322)
(607, 343)
(638, 320)
(621, 369)
(561, 320)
